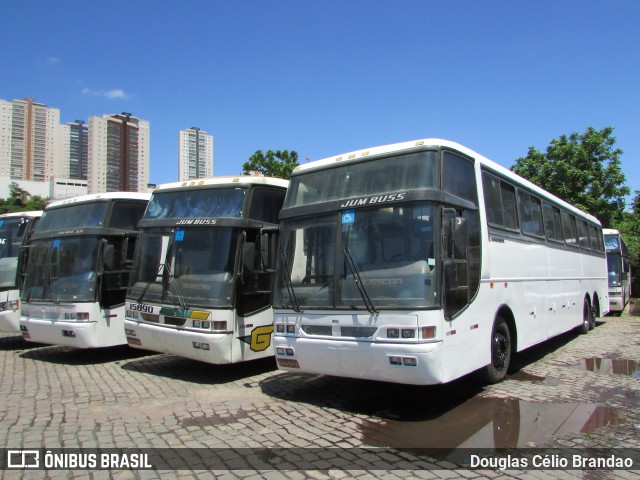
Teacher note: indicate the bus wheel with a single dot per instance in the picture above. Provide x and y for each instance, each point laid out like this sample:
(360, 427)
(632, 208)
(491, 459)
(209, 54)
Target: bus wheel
(500, 352)
(586, 318)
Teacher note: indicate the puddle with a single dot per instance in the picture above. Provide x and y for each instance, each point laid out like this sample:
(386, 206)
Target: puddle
(490, 423)
(611, 365)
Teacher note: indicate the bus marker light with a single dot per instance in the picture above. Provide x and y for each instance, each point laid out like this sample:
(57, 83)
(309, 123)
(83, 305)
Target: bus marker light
(409, 361)
(288, 363)
(473, 327)
(408, 333)
(395, 360)
(428, 332)
(491, 284)
(220, 326)
(451, 332)
(506, 284)
(393, 333)
(13, 305)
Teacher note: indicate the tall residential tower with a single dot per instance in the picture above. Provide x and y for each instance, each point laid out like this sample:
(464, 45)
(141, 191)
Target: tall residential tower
(195, 154)
(118, 154)
(30, 140)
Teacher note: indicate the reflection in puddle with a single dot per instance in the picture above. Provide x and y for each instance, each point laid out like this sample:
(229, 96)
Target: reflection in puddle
(490, 423)
(609, 365)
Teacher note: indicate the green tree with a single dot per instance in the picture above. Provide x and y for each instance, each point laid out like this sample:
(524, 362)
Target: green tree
(582, 169)
(629, 227)
(278, 163)
(20, 201)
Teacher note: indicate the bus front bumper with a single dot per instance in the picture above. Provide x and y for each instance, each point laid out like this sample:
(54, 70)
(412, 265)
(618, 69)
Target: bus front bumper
(205, 347)
(10, 321)
(416, 364)
(66, 334)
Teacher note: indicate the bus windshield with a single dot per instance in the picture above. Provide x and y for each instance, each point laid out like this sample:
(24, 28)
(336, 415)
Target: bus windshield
(62, 270)
(188, 267)
(11, 235)
(614, 262)
(392, 174)
(390, 250)
(83, 215)
(211, 202)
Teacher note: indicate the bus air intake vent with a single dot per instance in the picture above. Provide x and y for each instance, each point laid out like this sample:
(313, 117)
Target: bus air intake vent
(177, 321)
(317, 329)
(358, 332)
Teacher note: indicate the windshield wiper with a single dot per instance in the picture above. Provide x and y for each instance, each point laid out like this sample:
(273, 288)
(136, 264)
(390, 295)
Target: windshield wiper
(51, 278)
(146, 287)
(356, 277)
(172, 281)
(287, 281)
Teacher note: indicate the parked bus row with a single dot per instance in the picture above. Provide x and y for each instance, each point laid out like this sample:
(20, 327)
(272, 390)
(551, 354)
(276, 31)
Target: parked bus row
(413, 263)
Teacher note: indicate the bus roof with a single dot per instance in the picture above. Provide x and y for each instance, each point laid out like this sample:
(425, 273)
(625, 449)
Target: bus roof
(30, 214)
(359, 155)
(228, 180)
(100, 196)
(610, 231)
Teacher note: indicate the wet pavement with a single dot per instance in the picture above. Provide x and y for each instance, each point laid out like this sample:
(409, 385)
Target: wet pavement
(572, 393)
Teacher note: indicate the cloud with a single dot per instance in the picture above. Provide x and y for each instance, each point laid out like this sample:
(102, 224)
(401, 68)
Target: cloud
(113, 94)
(116, 93)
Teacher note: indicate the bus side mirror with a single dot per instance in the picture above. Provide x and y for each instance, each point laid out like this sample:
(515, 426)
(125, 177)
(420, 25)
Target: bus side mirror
(107, 257)
(458, 238)
(249, 257)
(268, 247)
(454, 230)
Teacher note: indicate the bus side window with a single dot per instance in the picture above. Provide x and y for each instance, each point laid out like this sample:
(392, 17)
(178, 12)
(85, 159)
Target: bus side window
(266, 204)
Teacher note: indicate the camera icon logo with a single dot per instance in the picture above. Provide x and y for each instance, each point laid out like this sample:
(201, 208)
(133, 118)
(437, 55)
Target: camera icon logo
(23, 458)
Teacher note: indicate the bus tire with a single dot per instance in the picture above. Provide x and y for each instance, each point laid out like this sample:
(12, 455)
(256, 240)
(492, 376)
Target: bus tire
(500, 352)
(586, 318)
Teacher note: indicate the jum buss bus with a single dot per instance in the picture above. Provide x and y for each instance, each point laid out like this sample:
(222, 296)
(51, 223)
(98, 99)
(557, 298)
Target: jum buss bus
(421, 262)
(15, 232)
(198, 289)
(619, 269)
(80, 258)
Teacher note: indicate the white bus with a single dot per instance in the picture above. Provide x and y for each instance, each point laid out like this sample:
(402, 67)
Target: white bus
(421, 262)
(198, 289)
(619, 269)
(77, 272)
(15, 231)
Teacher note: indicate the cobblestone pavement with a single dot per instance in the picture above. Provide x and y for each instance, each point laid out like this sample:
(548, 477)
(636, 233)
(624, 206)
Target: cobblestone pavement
(575, 391)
